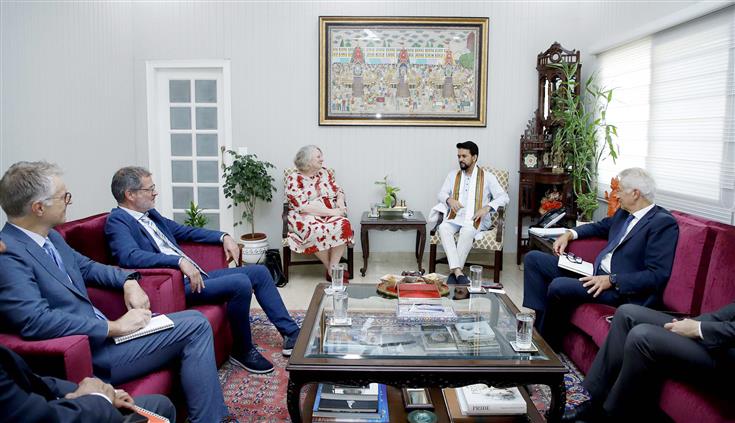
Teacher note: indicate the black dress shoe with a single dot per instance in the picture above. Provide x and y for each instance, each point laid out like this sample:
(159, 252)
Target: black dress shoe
(587, 411)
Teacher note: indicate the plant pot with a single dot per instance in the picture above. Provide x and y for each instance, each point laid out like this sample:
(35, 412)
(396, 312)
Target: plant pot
(254, 247)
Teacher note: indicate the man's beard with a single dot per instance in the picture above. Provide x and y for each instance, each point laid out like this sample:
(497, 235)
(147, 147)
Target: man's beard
(463, 165)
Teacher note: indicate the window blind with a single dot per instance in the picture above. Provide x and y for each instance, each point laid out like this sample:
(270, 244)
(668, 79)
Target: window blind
(674, 106)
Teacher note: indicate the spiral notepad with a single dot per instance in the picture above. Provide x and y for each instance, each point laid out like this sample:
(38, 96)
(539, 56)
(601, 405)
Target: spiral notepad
(157, 324)
(152, 417)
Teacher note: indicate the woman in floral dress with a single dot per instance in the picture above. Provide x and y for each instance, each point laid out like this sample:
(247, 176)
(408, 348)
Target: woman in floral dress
(317, 218)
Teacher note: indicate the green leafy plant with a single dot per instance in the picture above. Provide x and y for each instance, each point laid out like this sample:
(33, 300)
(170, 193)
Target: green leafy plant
(195, 217)
(584, 136)
(246, 181)
(390, 197)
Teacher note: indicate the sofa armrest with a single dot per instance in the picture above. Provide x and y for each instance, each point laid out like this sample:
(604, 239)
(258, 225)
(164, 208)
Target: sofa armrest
(587, 248)
(68, 357)
(208, 256)
(165, 289)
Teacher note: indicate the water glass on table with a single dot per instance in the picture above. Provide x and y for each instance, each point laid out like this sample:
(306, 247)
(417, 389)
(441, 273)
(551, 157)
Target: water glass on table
(524, 329)
(338, 274)
(475, 278)
(339, 303)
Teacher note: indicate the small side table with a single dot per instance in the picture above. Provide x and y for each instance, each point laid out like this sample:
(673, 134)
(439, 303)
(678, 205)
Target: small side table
(542, 244)
(417, 223)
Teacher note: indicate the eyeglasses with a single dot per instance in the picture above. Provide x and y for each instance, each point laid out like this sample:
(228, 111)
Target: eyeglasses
(573, 258)
(152, 189)
(66, 197)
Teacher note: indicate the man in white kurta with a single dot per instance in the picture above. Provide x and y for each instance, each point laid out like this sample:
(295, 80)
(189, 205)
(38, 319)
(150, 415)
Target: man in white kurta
(471, 195)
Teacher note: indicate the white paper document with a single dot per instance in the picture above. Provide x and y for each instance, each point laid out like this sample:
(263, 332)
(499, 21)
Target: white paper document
(584, 268)
(547, 232)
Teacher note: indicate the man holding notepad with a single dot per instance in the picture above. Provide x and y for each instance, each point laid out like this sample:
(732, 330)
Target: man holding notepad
(43, 295)
(634, 266)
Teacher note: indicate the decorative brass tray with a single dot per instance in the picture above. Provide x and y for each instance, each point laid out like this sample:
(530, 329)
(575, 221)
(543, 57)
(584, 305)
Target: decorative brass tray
(388, 289)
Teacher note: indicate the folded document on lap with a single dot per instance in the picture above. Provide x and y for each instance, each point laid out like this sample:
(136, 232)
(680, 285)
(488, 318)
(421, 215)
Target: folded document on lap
(585, 268)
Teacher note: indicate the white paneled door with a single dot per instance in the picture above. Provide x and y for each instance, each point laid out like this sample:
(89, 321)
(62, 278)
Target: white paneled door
(189, 127)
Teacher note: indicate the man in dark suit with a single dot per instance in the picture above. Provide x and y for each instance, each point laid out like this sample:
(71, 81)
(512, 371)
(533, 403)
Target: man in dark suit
(43, 295)
(139, 237)
(29, 398)
(644, 347)
(634, 266)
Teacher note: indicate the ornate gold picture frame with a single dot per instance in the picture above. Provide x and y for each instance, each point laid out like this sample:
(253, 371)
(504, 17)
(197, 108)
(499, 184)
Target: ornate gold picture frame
(413, 71)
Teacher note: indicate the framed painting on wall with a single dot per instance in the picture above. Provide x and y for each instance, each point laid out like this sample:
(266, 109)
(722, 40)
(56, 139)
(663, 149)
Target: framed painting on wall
(414, 71)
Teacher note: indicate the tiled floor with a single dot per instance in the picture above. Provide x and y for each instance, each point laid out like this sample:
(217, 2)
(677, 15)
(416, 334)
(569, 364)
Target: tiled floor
(297, 294)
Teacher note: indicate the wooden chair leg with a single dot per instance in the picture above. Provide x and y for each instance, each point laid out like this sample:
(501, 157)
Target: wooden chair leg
(286, 261)
(351, 261)
(497, 265)
(432, 258)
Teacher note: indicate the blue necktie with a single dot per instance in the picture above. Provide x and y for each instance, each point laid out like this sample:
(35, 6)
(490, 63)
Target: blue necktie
(613, 242)
(48, 246)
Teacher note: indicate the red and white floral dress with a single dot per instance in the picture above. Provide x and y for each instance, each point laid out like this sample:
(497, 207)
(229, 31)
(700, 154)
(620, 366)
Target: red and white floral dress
(309, 233)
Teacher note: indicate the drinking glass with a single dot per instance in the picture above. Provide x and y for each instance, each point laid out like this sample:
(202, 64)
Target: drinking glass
(524, 330)
(339, 302)
(338, 274)
(476, 278)
(374, 210)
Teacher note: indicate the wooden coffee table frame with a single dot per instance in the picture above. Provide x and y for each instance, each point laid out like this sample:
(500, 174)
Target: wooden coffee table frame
(430, 373)
(416, 223)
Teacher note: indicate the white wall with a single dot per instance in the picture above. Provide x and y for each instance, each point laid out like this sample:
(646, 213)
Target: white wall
(73, 89)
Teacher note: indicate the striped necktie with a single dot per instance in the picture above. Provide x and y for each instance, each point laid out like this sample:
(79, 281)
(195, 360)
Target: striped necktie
(151, 224)
(48, 246)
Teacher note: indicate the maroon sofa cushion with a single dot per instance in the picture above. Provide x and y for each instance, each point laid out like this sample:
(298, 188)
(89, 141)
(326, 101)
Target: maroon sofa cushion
(684, 290)
(590, 319)
(686, 403)
(720, 288)
(87, 236)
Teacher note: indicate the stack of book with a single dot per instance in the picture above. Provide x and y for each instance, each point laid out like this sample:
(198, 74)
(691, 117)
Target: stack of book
(339, 403)
(476, 337)
(468, 403)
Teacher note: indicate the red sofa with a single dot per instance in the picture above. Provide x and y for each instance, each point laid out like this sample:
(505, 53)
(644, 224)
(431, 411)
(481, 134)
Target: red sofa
(70, 357)
(701, 281)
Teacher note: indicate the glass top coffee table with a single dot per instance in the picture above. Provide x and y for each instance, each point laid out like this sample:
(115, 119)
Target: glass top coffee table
(375, 347)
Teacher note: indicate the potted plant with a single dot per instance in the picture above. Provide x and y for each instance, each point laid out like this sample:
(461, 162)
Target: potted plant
(584, 137)
(390, 199)
(246, 181)
(195, 217)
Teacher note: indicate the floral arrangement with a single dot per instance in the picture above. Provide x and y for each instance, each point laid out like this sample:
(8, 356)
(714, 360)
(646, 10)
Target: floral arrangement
(550, 201)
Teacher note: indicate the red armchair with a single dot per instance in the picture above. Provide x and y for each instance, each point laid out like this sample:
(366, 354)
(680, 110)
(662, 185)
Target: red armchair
(701, 281)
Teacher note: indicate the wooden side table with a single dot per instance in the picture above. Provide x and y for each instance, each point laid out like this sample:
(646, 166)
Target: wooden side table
(416, 222)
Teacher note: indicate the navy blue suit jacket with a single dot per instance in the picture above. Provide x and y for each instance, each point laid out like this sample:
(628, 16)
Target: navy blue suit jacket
(39, 301)
(26, 397)
(643, 260)
(132, 246)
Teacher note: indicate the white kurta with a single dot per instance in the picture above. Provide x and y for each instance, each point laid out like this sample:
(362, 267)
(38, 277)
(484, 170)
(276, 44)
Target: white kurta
(493, 195)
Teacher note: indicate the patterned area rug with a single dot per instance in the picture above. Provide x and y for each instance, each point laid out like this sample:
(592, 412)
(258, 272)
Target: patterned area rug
(262, 398)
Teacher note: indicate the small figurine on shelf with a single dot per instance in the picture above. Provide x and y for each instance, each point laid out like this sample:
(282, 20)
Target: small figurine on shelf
(550, 201)
(613, 203)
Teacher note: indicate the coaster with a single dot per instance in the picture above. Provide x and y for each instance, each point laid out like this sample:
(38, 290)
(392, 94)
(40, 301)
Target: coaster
(421, 416)
(343, 322)
(480, 290)
(516, 348)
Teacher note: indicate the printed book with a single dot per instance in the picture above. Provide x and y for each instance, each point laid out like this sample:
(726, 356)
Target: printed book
(480, 399)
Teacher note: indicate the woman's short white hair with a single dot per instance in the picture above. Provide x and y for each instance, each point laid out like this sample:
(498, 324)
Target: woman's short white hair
(637, 178)
(304, 157)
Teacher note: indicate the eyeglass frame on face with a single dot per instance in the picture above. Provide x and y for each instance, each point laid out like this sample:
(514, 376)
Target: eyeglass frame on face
(573, 258)
(150, 190)
(66, 198)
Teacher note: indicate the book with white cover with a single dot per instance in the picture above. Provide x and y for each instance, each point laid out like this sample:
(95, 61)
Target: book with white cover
(157, 324)
(479, 399)
(585, 268)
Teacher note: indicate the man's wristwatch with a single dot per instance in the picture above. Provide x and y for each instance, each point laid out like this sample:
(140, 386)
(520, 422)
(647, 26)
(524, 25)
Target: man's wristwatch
(613, 280)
